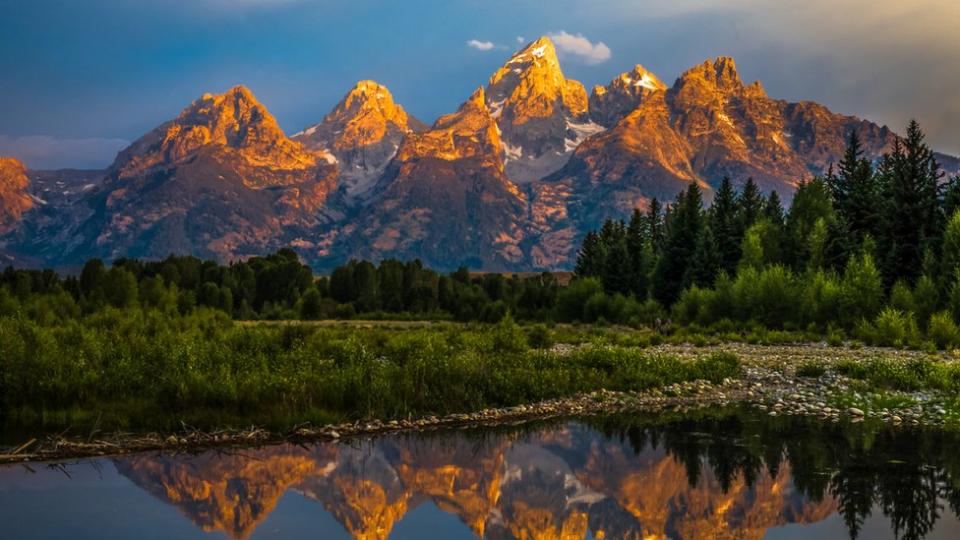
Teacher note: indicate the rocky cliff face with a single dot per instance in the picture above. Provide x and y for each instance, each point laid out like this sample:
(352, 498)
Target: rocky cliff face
(734, 129)
(610, 103)
(609, 175)
(445, 198)
(363, 132)
(14, 200)
(221, 181)
(542, 115)
(233, 126)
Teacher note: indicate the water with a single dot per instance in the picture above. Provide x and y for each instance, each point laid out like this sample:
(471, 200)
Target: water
(728, 475)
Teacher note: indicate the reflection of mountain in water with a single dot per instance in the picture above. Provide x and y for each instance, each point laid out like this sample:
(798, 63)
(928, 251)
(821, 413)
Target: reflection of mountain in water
(562, 483)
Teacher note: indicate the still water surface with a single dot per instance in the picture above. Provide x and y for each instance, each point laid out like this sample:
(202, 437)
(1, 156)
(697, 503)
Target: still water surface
(732, 475)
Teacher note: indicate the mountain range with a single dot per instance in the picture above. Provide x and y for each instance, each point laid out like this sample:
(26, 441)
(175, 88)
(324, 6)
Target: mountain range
(511, 180)
(569, 483)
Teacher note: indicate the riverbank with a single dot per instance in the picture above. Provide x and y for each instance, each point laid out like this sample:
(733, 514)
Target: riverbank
(778, 380)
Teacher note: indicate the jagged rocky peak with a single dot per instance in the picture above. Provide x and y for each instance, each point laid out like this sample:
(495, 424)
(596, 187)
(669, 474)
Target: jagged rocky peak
(542, 114)
(234, 120)
(365, 116)
(531, 85)
(221, 180)
(469, 132)
(363, 132)
(717, 76)
(14, 200)
(445, 199)
(610, 103)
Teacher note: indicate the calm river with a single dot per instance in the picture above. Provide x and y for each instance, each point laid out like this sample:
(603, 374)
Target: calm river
(729, 475)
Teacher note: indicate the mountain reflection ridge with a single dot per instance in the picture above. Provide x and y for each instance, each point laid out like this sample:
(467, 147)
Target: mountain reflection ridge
(566, 481)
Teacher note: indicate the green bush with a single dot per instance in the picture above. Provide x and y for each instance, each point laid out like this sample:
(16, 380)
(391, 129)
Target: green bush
(572, 299)
(861, 289)
(507, 336)
(811, 368)
(540, 337)
(894, 328)
(943, 331)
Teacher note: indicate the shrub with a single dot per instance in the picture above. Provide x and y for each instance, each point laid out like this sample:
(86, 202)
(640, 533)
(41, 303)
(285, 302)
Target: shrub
(508, 337)
(901, 297)
(820, 298)
(926, 297)
(691, 307)
(811, 368)
(345, 311)
(539, 337)
(571, 299)
(943, 331)
(894, 328)
(861, 289)
(851, 368)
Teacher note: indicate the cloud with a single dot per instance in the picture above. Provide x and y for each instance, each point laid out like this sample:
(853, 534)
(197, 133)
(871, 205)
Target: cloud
(46, 152)
(480, 45)
(580, 47)
(521, 40)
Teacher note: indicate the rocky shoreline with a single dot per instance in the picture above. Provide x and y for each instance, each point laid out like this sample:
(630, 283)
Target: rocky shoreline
(769, 384)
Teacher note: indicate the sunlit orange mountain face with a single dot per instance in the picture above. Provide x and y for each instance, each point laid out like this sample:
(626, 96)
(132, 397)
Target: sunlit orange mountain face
(558, 483)
(511, 180)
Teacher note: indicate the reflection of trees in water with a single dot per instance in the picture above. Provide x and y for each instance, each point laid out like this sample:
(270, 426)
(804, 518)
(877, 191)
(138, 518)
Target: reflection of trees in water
(724, 474)
(905, 472)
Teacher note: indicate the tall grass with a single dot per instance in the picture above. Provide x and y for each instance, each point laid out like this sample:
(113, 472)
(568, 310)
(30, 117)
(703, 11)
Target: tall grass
(134, 363)
(910, 375)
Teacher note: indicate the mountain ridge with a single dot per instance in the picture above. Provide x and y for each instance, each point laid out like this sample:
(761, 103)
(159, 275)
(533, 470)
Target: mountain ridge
(510, 181)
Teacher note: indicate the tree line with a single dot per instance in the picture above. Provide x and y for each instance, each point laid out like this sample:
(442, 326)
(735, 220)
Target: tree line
(277, 286)
(862, 239)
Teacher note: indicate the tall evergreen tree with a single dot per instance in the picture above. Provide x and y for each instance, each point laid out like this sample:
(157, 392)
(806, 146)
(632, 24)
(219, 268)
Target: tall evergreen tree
(638, 246)
(655, 224)
(855, 191)
(725, 227)
(616, 268)
(912, 219)
(750, 203)
(706, 261)
(590, 257)
(683, 230)
(773, 209)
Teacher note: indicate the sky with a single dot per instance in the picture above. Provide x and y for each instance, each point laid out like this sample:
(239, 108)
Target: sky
(83, 78)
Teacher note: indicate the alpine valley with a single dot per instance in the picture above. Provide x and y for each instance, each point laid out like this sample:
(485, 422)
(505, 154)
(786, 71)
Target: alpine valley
(510, 181)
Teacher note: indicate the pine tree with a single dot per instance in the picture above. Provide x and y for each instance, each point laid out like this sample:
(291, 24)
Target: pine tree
(655, 225)
(912, 219)
(773, 209)
(616, 268)
(683, 229)
(638, 246)
(706, 262)
(590, 257)
(726, 230)
(854, 190)
(750, 203)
